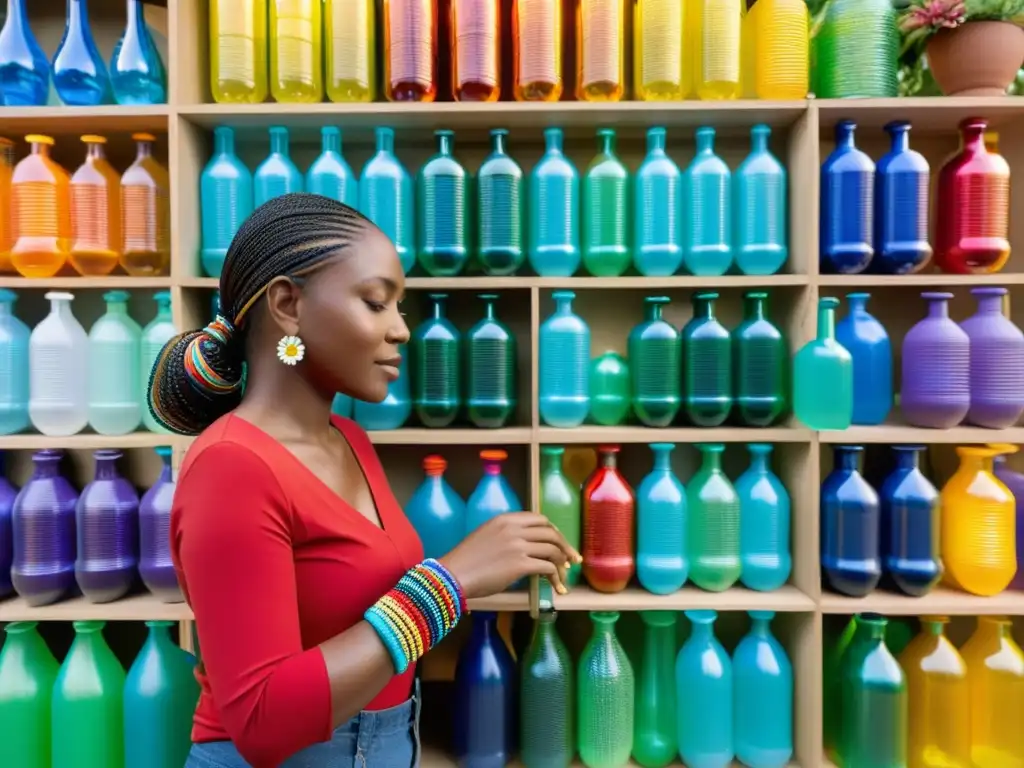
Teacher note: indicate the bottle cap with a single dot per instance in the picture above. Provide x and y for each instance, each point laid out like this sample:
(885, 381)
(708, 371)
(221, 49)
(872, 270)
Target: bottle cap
(143, 137)
(493, 454)
(90, 138)
(38, 138)
(434, 464)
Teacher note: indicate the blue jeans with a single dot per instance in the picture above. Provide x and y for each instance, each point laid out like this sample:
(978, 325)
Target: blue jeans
(386, 738)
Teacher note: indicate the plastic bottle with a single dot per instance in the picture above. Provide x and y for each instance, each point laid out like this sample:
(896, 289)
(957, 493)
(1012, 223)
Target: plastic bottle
(146, 213)
(997, 362)
(156, 566)
(760, 205)
(712, 523)
(659, 51)
(493, 495)
(547, 698)
(762, 696)
(560, 501)
(658, 210)
(115, 363)
(655, 350)
(823, 376)
(296, 51)
(330, 175)
(1014, 481)
(661, 558)
(490, 360)
(851, 553)
(910, 525)
(610, 389)
(58, 360)
(704, 684)
(226, 199)
(24, 70)
(537, 50)
(605, 210)
(6, 193)
(760, 365)
(856, 50)
(564, 348)
(847, 206)
(860, 334)
(95, 193)
(499, 209)
(155, 335)
(410, 50)
(995, 675)
(436, 511)
(386, 197)
(8, 495)
(654, 725)
(935, 385)
(27, 674)
(436, 362)
(485, 696)
(475, 27)
(707, 249)
(14, 373)
(600, 50)
(350, 50)
(277, 174)
(79, 72)
(137, 74)
(41, 210)
(764, 523)
(553, 244)
(781, 41)
(707, 364)
(442, 190)
(609, 510)
(239, 66)
(605, 697)
(902, 179)
(717, 48)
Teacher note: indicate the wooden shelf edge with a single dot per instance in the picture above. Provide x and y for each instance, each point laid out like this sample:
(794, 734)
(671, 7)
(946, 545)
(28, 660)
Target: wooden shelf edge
(614, 435)
(87, 441)
(432, 757)
(788, 599)
(890, 434)
(85, 283)
(923, 281)
(940, 601)
(523, 282)
(142, 607)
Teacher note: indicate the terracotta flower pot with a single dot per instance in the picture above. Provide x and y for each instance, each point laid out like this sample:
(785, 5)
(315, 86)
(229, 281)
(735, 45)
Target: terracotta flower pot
(980, 58)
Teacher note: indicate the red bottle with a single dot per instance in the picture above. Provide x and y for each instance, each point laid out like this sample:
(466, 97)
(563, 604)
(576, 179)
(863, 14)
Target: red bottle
(609, 509)
(972, 214)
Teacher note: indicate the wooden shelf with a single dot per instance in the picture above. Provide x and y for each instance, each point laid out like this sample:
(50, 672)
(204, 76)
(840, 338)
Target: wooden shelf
(143, 607)
(478, 283)
(898, 433)
(583, 598)
(416, 436)
(435, 758)
(615, 435)
(104, 119)
(941, 601)
(86, 441)
(928, 280)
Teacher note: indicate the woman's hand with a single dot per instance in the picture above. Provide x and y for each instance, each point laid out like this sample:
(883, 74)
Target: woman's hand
(507, 548)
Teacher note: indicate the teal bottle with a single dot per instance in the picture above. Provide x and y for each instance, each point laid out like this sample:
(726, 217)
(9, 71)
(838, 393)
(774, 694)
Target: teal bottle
(115, 365)
(155, 335)
(764, 523)
(547, 699)
(654, 724)
(823, 376)
(605, 697)
(225, 200)
(553, 239)
(704, 682)
(14, 379)
(330, 175)
(763, 696)
(386, 197)
(760, 365)
(28, 671)
(160, 696)
(655, 355)
(499, 210)
(436, 364)
(707, 364)
(490, 358)
(564, 349)
(442, 191)
(661, 562)
(610, 389)
(712, 523)
(707, 251)
(277, 174)
(760, 213)
(436, 511)
(606, 211)
(657, 211)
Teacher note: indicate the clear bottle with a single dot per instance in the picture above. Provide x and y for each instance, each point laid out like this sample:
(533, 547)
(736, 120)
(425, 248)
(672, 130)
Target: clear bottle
(239, 70)
(475, 27)
(654, 731)
(14, 371)
(24, 70)
(58, 359)
(350, 50)
(386, 197)
(330, 175)
(564, 349)
(547, 698)
(763, 696)
(499, 209)
(717, 48)
(155, 335)
(225, 199)
(137, 73)
(146, 213)
(600, 50)
(661, 562)
(707, 251)
(659, 50)
(781, 49)
(277, 174)
(115, 390)
(760, 207)
(560, 501)
(41, 209)
(658, 210)
(95, 212)
(704, 685)
(764, 523)
(79, 72)
(995, 675)
(442, 189)
(537, 50)
(296, 51)
(553, 244)
(410, 50)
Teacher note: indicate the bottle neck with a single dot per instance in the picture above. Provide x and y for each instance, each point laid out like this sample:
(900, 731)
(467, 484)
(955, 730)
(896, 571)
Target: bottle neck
(46, 466)
(653, 312)
(6, 308)
(974, 138)
(136, 18)
(489, 310)
(759, 461)
(41, 149)
(934, 627)
(16, 11)
(608, 143)
(551, 463)
(492, 467)
(844, 136)
(163, 310)
(60, 308)
(385, 142)
(77, 16)
(990, 305)
(858, 304)
(444, 144)
(705, 142)
(145, 150)
(754, 308)
(437, 312)
(608, 460)
(975, 463)
(656, 142)
(484, 625)
(498, 143)
(760, 626)
(553, 141)
(703, 309)
(106, 469)
(159, 633)
(279, 143)
(564, 306)
(331, 142)
(907, 459)
(224, 141)
(872, 629)
(847, 459)
(900, 138)
(662, 460)
(94, 152)
(826, 323)
(712, 461)
(938, 308)
(759, 141)
(117, 308)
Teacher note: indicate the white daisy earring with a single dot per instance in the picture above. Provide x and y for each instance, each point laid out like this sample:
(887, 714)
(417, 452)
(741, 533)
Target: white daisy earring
(290, 350)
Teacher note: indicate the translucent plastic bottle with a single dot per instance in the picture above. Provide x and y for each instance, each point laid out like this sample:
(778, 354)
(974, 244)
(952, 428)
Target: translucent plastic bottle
(658, 211)
(475, 27)
(79, 72)
(851, 554)
(713, 523)
(410, 50)
(857, 45)
(764, 523)
(493, 495)
(27, 673)
(995, 676)
(95, 212)
(717, 48)
(146, 213)
(553, 242)
(14, 367)
(609, 510)
(606, 211)
(6, 218)
(499, 209)
(910, 524)
(600, 50)
(564, 343)
(704, 686)
(760, 364)
(296, 51)
(330, 175)
(865, 338)
(846, 229)
(239, 70)
(225, 199)
(277, 174)
(137, 73)
(659, 50)
(763, 696)
(605, 696)
(436, 511)
(155, 335)
(24, 70)
(781, 41)
(41, 209)
(350, 50)
(537, 50)
(661, 559)
(823, 376)
(902, 180)
(490, 369)
(115, 389)
(437, 368)
(442, 190)
(654, 726)
(655, 352)
(610, 396)
(707, 364)
(707, 250)
(560, 501)
(760, 207)
(547, 698)
(386, 197)
(58, 355)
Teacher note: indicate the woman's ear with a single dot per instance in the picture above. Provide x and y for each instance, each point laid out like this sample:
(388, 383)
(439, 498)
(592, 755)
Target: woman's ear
(284, 300)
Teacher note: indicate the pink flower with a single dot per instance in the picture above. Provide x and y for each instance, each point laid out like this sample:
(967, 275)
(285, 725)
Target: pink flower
(934, 14)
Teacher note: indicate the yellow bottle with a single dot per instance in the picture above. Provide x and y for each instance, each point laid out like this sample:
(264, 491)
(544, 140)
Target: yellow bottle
(781, 44)
(995, 675)
(717, 48)
(6, 220)
(600, 50)
(95, 212)
(238, 51)
(145, 213)
(939, 734)
(350, 50)
(41, 209)
(659, 49)
(537, 50)
(978, 525)
(296, 51)
(748, 51)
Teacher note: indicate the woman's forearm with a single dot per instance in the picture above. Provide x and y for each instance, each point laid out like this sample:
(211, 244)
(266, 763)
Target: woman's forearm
(358, 667)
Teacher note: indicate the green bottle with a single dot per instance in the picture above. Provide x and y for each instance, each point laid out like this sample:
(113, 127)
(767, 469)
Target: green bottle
(836, 641)
(610, 397)
(114, 380)
(560, 501)
(435, 367)
(712, 523)
(490, 370)
(546, 699)
(823, 376)
(606, 211)
(499, 210)
(655, 353)
(654, 735)
(442, 191)
(154, 336)
(760, 362)
(27, 673)
(707, 364)
(88, 695)
(605, 697)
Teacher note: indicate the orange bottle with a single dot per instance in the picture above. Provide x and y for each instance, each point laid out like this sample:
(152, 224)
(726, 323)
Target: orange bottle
(995, 676)
(410, 50)
(537, 50)
(600, 50)
(41, 209)
(476, 53)
(95, 212)
(145, 213)
(6, 221)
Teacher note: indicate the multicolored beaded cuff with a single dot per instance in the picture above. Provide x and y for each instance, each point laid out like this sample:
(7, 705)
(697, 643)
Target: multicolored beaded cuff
(412, 618)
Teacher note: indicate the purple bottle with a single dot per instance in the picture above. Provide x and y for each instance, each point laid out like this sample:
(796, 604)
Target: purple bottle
(936, 379)
(997, 362)
(43, 526)
(155, 564)
(107, 518)
(8, 494)
(1015, 482)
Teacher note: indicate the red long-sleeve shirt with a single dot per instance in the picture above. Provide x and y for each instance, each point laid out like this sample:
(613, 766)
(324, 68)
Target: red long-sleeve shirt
(273, 563)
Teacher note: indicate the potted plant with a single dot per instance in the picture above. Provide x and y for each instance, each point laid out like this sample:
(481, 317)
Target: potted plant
(974, 47)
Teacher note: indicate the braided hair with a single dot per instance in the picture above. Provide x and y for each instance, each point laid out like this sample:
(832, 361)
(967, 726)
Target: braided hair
(197, 378)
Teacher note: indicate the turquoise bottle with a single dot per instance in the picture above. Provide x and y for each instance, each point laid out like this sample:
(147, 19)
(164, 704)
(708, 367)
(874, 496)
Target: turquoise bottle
(707, 251)
(330, 174)
(225, 200)
(547, 699)
(394, 410)
(764, 523)
(610, 389)
(606, 211)
(115, 365)
(823, 376)
(763, 695)
(760, 365)
(436, 511)
(442, 191)
(654, 724)
(707, 364)
(760, 212)
(14, 336)
(661, 563)
(704, 682)
(553, 237)
(655, 354)
(490, 369)
(564, 348)
(155, 335)
(712, 523)
(493, 495)
(160, 696)
(436, 346)
(277, 174)
(27, 674)
(499, 210)
(657, 210)
(386, 197)
(605, 697)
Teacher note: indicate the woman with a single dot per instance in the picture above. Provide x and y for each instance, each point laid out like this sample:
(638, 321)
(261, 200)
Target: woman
(311, 596)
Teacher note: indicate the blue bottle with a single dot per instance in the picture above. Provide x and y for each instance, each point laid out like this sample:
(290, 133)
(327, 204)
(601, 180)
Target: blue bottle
(760, 209)
(553, 237)
(704, 686)
(79, 74)
(763, 691)
(910, 525)
(661, 564)
(442, 193)
(850, 526)
(493, 495)
(707, 249)
(14, 336)
(847, 206)
(499, 210)
(137, 73)
(764, 523)
(24, 70)
(342, 405)
(277, 174)
(436, 511)
(225, 199)
(564, 344)
(8, 493)
(394, 410)
(901, 206)
(868, 344)
(329, 175)
(386, 197)
(657, 211)
(485, 697)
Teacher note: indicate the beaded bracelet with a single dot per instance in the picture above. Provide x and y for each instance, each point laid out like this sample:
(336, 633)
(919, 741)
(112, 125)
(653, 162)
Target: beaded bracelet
(418, 613)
